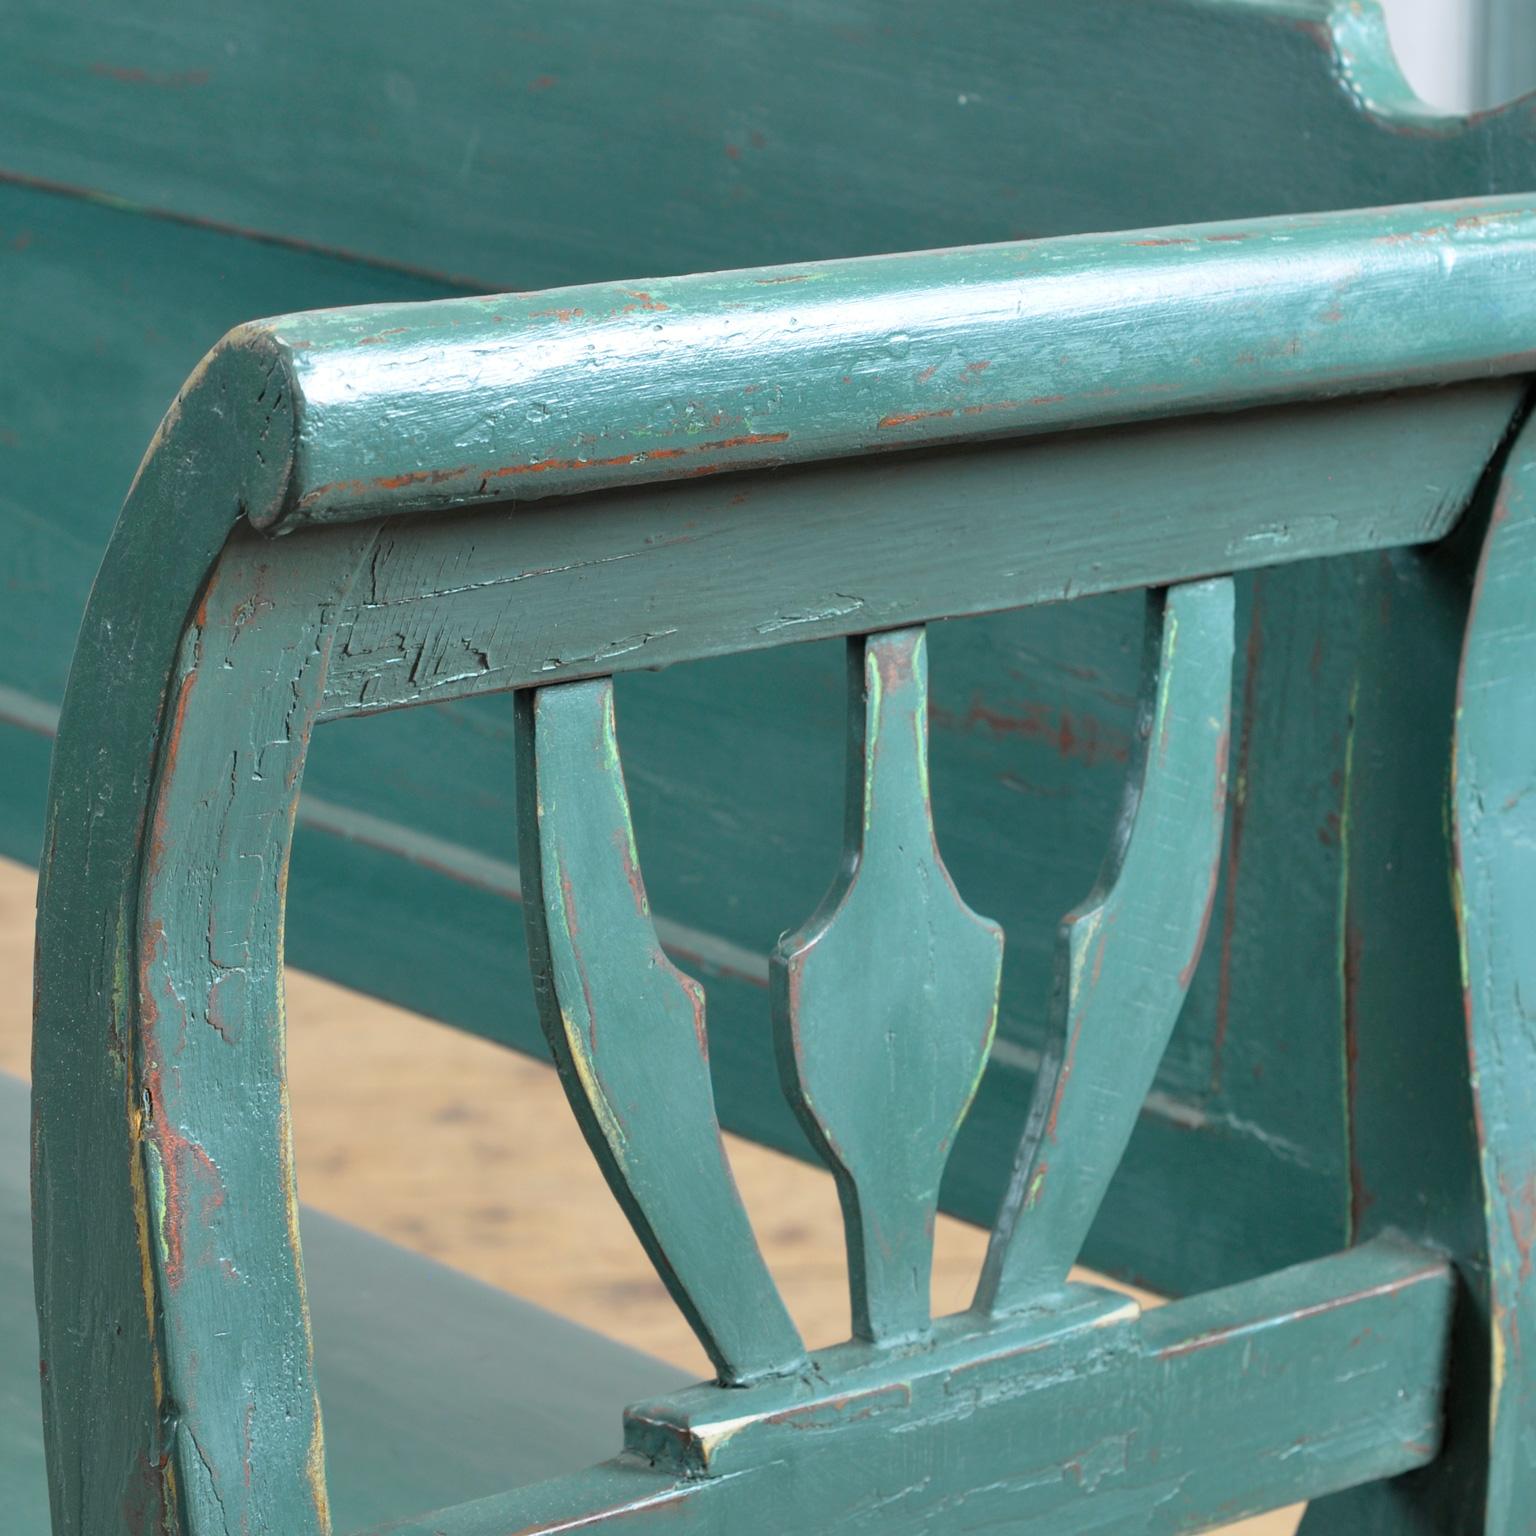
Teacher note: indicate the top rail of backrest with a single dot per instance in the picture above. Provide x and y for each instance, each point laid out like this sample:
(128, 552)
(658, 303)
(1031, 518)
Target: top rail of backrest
(413, 408)
(526, 144)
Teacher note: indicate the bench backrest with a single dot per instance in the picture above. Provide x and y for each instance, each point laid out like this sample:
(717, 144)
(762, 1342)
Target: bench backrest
(189, 171)
(322, 528)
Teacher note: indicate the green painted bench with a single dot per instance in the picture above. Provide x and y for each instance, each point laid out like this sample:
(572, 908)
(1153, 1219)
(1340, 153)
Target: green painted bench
(1262, 456)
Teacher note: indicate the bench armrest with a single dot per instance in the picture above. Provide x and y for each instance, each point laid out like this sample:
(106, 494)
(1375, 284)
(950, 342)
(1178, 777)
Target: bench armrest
(405, 408)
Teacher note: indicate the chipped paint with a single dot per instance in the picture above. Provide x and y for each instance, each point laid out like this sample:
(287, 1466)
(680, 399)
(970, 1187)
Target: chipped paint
(1126, 955)
(861, 1014)
(436, 493)
(619, 1017)
(1075, 735)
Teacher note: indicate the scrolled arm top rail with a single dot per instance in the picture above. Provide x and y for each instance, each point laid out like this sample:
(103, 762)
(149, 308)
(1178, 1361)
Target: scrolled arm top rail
(414, 407)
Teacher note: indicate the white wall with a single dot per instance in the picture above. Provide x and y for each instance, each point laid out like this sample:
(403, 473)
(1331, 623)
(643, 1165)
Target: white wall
(1436, 43)
(1465, 54)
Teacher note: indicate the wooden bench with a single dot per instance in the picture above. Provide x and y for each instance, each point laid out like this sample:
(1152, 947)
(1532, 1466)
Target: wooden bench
(142, 218)
(351, 511)
(328, 483)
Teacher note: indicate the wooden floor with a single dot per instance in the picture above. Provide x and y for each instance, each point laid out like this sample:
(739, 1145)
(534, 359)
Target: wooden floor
(463, 1151)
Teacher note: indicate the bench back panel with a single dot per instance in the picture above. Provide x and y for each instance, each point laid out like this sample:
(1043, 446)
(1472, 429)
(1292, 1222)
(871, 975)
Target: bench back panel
(527, 145)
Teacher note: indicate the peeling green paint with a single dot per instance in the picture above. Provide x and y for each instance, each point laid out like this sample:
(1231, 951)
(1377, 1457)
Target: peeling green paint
(626, 1029)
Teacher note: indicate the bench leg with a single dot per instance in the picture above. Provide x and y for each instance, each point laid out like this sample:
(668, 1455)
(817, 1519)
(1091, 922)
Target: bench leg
(1495, 826)
(1451, 1160)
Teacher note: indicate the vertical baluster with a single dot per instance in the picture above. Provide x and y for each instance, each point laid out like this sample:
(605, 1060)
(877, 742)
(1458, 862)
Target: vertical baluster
(885, 1003)
(1126, 955)
(627, 1031)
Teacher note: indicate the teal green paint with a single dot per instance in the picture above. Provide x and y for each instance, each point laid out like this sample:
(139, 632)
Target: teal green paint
(1126, 955)
(627, 1031)
(99, 1329)
(885, 1003)
(1345, 957)
(110, 313)
(701, 1432)
(751, 744)
(428, 131)
(494, 598)
(1315, 1378)
(1412, 1150)
(155, 1168)
(826, 87)
(381, 429)
(23, 1466)
(232, 1329)
(422, 407)
(1271, 86)
(1495, 843)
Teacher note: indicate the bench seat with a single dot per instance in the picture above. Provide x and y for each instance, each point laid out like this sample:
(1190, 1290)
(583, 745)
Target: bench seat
(436, 1388)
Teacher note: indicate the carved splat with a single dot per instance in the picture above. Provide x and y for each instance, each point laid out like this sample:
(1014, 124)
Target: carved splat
(886, 1002)
(627, 1031)
(1126, 956)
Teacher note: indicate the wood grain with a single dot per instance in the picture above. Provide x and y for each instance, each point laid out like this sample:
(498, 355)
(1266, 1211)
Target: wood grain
(719, 137)
(468, 1153)
(1033, 718)
(1494, 791)
(771, 133)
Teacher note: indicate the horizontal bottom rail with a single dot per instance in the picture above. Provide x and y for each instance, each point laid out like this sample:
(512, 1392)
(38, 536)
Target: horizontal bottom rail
(1089, 1415)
